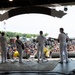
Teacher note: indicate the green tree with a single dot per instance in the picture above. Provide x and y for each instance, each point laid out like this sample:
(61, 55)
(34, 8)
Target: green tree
(24, 35)
(46, 34)
(28, 35)
(34, 35)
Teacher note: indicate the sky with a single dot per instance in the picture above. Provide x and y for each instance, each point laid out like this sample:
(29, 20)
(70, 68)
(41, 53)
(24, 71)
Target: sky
(33, 23)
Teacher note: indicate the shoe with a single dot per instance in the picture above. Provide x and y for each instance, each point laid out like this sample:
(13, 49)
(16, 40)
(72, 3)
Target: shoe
(20, 62)
(66, 61)
(61, 62)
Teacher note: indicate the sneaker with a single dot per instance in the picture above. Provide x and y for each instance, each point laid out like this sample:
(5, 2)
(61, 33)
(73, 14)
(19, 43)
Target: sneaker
(21, 62)
(66, 61)
(61, 62)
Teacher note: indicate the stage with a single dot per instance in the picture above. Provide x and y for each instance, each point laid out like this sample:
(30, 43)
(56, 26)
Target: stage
(29, 67)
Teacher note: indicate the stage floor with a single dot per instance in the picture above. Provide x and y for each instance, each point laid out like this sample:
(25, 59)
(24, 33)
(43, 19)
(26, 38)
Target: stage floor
(60, 69)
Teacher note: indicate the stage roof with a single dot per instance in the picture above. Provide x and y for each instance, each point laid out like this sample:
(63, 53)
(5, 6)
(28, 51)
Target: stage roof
(19, 3)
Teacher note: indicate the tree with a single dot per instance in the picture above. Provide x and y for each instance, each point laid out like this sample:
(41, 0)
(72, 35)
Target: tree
(46, 34)
(28, 35)
(24, 35)
(34, 35)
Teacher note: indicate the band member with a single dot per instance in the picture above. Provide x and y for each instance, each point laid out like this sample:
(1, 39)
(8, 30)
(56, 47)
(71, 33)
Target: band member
(41, 42)
(3, 44)
(63, 38)
(19, 44)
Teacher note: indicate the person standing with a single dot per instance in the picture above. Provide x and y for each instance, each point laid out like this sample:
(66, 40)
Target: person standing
(41, 43)
(19, 44)
(3, 44)
(62, 39)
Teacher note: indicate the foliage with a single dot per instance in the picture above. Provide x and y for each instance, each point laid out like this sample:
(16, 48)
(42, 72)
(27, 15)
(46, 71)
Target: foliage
(46, 34)
(14, 34)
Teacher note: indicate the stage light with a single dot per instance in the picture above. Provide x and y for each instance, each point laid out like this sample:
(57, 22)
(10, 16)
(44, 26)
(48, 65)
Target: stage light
(10, 0)
(65, 8)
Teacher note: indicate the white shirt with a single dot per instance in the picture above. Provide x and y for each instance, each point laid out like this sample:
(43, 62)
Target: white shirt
(62, 37)
(19, 43)
(3, 41)
(41, 39)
